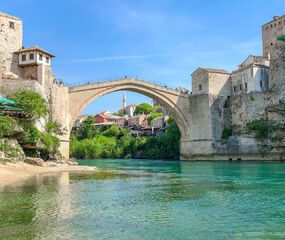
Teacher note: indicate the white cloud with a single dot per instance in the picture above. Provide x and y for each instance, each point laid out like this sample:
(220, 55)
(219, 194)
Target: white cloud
(114, 58)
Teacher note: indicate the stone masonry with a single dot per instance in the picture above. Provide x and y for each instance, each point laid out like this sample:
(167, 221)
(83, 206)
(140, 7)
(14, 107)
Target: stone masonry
(201, 116)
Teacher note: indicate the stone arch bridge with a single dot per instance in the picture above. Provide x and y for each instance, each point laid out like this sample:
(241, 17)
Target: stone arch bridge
(68, 102)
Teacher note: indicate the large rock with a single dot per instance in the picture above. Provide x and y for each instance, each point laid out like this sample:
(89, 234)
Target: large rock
(2, 155)
(35, 161)
(12, 150)
(10, 75)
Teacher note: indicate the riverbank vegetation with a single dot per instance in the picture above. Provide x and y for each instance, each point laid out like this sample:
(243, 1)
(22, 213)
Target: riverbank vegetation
(89, 142)
(23, 130)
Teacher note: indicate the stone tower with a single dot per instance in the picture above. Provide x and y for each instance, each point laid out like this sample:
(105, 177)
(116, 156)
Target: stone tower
(124, 101)
(11, 34)
(270, 31)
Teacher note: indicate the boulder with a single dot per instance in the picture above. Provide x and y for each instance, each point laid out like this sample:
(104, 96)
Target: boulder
(35, 161)
(72, 162)
(2, 155)
(50, 164)
(10, 75)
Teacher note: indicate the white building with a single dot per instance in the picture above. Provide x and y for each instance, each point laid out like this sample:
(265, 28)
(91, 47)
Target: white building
(129, 110)
(34, 56)
(251, 76)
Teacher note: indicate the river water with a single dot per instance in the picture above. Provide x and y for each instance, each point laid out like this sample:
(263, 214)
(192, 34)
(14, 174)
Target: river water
(149, 200)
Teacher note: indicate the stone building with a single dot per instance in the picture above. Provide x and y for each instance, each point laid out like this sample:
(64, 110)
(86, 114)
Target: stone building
(251, 76)
(270, 31)
(130, 109)
(137, 121)
(11, 34)
(211, 81)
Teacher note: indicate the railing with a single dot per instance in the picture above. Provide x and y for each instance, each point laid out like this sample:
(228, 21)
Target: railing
(114, 79)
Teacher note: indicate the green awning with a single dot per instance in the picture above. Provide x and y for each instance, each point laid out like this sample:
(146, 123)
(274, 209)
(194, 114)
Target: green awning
(281, 38)
(6, 101)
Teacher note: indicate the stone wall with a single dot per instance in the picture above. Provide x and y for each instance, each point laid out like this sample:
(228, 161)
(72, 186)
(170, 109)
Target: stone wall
(59, 111)
(9, 86)
(10, 42)
(219, 84)
(246, 108)
(269, 33)
(200, 77)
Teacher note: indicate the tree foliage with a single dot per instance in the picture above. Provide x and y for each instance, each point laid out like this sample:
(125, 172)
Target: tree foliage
(31, 103)
(227, 133)
(112, 142)
(87, 129)
(153, 116)
(260, 127)
(144, 108)
(33, 141)
(7, 125)
(54, 128)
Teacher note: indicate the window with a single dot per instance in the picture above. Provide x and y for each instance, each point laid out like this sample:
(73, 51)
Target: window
(235, 88)
(31, 56)
(47, 59)
(200, 87)
(24, 57)
(245, 85)
(261, 85)
(12, 25)
(40, 57)
(271, 44)
(240, 87)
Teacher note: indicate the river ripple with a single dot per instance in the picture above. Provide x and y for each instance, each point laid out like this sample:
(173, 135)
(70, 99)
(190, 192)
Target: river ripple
(149, 200)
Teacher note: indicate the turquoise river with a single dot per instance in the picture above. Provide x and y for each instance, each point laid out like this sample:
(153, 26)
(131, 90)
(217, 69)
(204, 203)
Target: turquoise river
(149, 200)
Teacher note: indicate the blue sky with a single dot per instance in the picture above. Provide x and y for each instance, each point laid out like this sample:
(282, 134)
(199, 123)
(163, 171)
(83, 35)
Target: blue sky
(156, 40)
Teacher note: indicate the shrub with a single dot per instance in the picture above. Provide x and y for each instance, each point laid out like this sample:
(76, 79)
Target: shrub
(260, 127)
(7, 125)
(252, 98)
(31, 103)
(54, 128)
(9, 151)
(153, 116)
(227, 133)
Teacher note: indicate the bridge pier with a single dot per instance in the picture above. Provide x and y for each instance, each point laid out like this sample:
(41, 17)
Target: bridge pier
(64, 148)
(196, 115)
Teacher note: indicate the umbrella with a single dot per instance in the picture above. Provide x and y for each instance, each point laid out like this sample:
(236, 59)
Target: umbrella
(6, 101)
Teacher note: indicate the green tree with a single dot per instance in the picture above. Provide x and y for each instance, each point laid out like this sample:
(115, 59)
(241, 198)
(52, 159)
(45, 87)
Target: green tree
(87, 129)
(113, 131)
(31, 103)
(51, 145)
(144, 108)
(153, 116)
(157, 109)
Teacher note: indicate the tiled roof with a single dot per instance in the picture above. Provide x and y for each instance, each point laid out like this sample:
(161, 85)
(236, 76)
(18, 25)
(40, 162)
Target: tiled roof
(34, 48)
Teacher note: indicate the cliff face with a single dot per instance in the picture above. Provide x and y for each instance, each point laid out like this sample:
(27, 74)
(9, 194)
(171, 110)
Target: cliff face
(10, 150)
(254, 124)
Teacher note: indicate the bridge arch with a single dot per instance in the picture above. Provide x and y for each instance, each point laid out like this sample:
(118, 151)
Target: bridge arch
(173, 100)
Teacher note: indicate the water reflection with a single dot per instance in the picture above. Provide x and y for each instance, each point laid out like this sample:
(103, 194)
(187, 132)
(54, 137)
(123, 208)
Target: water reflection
(149, 200)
